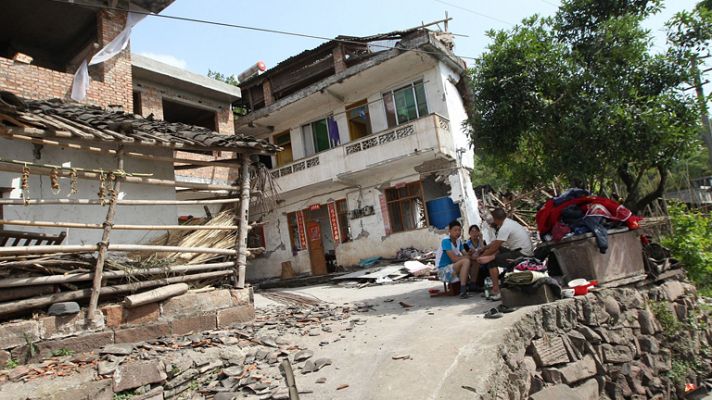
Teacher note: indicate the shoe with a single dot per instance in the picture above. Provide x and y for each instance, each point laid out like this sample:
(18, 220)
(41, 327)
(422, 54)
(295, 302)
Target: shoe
(504, 309)
(493, 313)
(495, 297)
(464, 295)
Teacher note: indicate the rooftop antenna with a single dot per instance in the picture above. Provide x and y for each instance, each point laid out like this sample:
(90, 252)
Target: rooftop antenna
(446, 20)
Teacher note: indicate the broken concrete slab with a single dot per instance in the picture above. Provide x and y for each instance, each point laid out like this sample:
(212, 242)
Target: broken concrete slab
(549, 351)
(136, 374)
(556, 392)
(64, 308)
(117, 349)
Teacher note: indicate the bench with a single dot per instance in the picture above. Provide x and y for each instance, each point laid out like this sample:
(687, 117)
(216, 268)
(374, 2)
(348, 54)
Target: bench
(20, 238)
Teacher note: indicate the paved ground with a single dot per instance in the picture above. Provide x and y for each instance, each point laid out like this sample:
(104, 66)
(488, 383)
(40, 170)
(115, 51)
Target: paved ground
(447, 339)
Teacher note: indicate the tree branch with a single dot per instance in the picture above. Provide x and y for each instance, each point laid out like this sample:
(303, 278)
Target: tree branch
(655, 194)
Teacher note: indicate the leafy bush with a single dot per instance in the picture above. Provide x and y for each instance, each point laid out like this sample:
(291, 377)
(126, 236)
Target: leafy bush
(691, 243)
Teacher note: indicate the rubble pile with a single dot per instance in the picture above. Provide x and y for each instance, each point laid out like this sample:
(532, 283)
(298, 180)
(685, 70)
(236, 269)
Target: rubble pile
(240, 362)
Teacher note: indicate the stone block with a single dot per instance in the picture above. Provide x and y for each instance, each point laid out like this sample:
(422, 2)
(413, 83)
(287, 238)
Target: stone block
(672, 290)
(64, 308)
(242, 296)
(649, 344)
(588, 390)
(193, 303)
(589, 334)
(144, 314)
(549, 351)
(113, 315)
(647, 322)
(94, 390)
(617, 354)
(579, 370)
(142, 333)
(136, 374)
(578, 340)
(612, 307)
(53, 327)
(4, 358)
(552, 375)
(77, 344)
(680, 311)
(194, 324)
(234, 315)
(13, 334)
(557, 392)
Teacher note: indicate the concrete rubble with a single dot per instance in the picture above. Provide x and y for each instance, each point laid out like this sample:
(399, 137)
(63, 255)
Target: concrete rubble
(241, 361)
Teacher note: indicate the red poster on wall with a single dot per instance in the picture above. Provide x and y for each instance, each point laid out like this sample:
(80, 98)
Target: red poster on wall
(334, 220)
(384, 212)
(302, 229)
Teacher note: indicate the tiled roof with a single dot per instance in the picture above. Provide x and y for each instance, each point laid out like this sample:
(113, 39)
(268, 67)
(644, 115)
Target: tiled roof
(66, 119)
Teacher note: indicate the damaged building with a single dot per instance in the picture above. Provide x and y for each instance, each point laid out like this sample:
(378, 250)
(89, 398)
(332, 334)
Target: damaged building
(375, 157)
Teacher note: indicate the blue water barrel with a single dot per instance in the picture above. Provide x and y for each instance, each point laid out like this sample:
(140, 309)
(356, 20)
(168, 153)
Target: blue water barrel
(442, 211)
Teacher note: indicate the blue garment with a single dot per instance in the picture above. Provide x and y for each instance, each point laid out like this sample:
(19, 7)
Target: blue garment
(570, 194)
(446, 245)
(334, 137)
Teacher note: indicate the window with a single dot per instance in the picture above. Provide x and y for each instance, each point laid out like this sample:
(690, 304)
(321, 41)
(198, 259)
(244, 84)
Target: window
(343, 214)
(405, 104)
(293, 225)
(359, 121)
(319, 136)
(406, 207)
(285, 141)
(137, 106)
(256, 237)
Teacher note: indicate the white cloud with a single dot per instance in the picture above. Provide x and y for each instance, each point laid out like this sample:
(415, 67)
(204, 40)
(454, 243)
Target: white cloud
(167, 59)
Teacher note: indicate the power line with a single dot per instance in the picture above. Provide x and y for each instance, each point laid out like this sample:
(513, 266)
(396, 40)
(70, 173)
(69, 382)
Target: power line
(550, 3)
(475, 12)
(257, 29)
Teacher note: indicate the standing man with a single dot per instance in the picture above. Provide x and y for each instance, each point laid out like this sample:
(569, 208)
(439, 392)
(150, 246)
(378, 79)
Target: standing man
(451, 258)
(512, 241)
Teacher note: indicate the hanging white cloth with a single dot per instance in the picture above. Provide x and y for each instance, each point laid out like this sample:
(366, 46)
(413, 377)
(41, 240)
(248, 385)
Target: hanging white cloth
(80, 85)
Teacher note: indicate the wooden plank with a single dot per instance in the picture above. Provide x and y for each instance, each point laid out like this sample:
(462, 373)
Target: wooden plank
(96, 202)
(91, 129)
(78, 225)
(73, 130)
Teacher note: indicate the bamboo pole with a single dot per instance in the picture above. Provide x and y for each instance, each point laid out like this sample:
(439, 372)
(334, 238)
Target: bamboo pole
(112, 152)
(46, 202)
(46, 171)
(89, 248)
(87, 276)
(104, 244)
(19, 305)
(242, 217)
(69, 169)
(78, 225)
(155, 295)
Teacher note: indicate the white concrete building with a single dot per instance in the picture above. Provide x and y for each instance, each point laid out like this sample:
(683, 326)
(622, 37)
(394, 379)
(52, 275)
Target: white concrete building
(374, 145)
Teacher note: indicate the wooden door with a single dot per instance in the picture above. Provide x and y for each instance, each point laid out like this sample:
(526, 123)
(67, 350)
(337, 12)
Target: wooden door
(316, 248)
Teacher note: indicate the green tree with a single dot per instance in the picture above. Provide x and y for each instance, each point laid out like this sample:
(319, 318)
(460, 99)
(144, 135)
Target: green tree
(238, 111)
(578, 96)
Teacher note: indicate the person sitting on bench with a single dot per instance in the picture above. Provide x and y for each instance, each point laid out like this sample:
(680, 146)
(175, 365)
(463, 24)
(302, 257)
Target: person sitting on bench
(451, 259)
(511, 242)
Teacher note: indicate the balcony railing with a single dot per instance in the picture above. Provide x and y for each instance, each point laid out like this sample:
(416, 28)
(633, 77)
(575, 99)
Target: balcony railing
(363, 144)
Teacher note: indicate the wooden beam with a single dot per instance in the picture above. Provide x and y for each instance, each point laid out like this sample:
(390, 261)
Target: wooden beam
(87, 276)
(42, 301)
(92, 202)
(90, 248)
(78, 225)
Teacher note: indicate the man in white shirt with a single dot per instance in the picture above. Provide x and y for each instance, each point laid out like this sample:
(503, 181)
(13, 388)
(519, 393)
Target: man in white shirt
(512, 242)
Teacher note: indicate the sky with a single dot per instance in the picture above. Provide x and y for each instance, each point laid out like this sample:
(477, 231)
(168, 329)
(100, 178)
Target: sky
(200, 47)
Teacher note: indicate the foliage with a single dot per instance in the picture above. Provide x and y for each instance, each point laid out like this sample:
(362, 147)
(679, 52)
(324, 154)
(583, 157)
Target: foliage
(669, 323)
(11, 363)
(579, 96)
(62, 352)
(230, 80)
(691, 243)
(123, 395)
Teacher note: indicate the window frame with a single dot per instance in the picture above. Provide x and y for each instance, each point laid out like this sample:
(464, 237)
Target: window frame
(418, 185)
(342, 215)
(355, 106)
(288, 134)
(312, 139)
(389, 98)
(295, 242)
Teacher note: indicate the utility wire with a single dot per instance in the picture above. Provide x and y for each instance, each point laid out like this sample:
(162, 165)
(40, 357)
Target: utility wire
(257, 29)
(475, 12)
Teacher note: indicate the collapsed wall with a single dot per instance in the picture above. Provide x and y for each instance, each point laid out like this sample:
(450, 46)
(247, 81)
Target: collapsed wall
(622, 343)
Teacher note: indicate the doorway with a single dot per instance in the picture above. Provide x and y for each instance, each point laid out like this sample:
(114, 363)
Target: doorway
(317, 256)
(359, 120)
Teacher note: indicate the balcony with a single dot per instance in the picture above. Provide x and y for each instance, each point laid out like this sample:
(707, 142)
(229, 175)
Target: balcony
(427, 134)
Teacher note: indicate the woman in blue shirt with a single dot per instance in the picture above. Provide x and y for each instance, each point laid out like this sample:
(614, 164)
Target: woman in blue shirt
(451, 258)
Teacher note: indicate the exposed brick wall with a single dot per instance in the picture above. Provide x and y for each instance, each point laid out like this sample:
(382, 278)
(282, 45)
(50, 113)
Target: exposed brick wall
(151, 102)
(226, 121)
(339, 62)
(113, 86)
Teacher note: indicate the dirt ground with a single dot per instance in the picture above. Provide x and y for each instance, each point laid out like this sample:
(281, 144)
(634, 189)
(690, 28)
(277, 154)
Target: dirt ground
(441, 344)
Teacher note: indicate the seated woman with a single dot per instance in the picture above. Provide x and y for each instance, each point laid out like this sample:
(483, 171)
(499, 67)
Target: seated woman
(474, 247)
(451, 259)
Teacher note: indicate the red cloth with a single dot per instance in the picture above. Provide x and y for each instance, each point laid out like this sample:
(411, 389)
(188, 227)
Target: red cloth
(548, 216)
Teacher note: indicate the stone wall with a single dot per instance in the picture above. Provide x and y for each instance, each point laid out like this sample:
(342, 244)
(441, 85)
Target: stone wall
(614, 343)
(195, 311)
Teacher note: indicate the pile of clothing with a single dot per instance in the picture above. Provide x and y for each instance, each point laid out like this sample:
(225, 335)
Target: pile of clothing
(528, 276)
(576, 212)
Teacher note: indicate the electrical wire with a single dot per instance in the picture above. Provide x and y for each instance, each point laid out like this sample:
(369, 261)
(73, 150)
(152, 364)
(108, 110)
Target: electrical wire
(253, 28)
(475, 12)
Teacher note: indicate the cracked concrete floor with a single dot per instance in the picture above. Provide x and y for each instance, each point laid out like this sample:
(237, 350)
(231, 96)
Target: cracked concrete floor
(447, 339)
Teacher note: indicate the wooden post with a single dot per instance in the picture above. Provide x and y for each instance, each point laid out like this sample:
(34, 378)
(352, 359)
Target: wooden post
(242, 221)
(104, 244)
